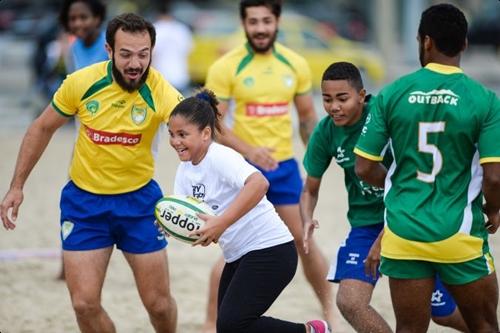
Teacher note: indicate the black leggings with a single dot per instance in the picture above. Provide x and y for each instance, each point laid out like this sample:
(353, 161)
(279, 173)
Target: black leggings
(250, 285)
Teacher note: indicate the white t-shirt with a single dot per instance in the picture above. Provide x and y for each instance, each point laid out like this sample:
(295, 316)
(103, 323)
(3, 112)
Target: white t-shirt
(171, 52)
(217, 180)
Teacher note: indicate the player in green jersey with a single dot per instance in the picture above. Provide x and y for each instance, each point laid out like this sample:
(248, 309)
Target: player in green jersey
(347, 107)
(443, 129)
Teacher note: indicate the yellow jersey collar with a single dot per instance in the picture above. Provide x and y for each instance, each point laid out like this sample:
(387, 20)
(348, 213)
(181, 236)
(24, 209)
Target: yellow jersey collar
(443, 69)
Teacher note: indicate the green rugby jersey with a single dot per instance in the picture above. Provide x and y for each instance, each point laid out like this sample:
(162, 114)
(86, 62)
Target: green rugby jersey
(441, 126)
(329, 142)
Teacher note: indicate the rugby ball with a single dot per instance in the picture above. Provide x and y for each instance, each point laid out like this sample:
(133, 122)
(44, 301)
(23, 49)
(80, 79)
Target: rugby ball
(177, 215)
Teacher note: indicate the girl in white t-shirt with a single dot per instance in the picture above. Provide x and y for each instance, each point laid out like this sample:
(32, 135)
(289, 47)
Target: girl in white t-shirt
(258, 249)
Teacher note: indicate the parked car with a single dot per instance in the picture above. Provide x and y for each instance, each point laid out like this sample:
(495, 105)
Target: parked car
(217, 32)
(485, 27)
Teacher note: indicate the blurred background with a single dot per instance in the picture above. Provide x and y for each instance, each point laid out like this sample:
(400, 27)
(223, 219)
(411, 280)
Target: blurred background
(376, 35)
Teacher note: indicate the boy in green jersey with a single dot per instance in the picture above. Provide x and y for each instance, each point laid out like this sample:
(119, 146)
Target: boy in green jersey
(334, 138)
(443, 130)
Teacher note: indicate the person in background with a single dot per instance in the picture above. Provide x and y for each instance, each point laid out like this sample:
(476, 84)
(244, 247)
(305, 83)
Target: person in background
(120, 105)
(174, 43)
(84, 19)
(264, 79)
(443, 130)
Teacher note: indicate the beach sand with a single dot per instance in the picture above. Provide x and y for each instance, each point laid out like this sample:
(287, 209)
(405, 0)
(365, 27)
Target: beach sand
(32, 300)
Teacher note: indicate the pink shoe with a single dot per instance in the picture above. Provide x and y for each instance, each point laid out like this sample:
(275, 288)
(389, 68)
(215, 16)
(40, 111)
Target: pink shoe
(319, 326)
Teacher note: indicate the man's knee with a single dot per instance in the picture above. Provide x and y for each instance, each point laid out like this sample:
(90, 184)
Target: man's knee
(85, 308)
(160, 306)
(347, 306)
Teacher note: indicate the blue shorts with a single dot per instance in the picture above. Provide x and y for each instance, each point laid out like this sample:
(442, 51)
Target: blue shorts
(285, 183)
(442, 303)
(351, 256)
(93, 221)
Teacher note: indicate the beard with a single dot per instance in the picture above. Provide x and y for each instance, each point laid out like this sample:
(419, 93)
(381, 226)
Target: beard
(265, 48)
(129, 86)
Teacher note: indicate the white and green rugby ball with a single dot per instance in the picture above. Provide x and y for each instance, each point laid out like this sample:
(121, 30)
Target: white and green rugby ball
(177, 215)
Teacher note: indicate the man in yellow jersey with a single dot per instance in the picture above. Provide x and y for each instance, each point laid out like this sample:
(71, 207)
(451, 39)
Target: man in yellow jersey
(110, 197)
(263, 77)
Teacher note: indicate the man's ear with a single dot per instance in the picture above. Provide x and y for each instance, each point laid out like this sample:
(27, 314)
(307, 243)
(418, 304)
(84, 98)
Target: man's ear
(109, 50)
(428, 43)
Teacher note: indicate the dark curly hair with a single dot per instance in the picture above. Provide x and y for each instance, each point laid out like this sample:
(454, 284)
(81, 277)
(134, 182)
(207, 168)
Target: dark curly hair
(97, 8)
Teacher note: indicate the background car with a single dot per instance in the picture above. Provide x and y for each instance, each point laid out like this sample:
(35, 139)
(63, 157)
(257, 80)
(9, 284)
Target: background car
(485, 26)
(218, 31)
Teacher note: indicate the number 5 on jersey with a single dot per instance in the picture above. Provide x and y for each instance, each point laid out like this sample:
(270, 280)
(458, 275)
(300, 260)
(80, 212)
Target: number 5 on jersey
(427, 148)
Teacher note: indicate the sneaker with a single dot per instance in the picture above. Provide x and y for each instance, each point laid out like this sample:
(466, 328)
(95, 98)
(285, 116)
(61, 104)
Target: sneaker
(319, 326)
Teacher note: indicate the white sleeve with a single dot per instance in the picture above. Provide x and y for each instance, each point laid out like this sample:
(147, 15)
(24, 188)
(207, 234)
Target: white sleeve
(235, 168)
(180, 187)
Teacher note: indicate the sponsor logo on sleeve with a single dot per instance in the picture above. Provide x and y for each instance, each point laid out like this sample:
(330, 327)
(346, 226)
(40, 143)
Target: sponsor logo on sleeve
(442, 96)
(109, 138)
(266, 109)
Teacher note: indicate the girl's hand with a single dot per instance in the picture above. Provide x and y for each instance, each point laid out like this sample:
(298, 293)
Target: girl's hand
(210, 232)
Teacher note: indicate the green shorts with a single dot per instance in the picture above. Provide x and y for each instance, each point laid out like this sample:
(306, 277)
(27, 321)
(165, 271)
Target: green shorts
(454, 274)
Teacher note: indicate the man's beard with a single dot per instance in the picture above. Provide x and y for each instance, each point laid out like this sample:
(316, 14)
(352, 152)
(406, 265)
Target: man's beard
(262, 49)
(129, 86)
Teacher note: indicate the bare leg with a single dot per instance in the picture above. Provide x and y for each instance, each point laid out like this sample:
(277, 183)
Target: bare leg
(314, 263)
(153, 283)
(478, 303)
(61, 276)
(85, 272)
(454, 320)
(353, 300)
(213, 289)
(411, 303)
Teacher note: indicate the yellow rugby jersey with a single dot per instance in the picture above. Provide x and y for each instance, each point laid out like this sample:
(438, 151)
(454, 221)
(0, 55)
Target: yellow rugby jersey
(263, 87)
(113, 151)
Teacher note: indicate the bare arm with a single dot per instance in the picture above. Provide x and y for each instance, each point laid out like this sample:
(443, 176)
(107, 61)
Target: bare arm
(307, 116)
(253, 191)
(491, 192)
(308, 201)
(370, 171)
(261, 156)
(34, 143)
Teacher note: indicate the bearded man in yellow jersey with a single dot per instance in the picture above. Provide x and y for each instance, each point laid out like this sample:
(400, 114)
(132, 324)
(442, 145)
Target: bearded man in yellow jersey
(263, 78)
(110, 197)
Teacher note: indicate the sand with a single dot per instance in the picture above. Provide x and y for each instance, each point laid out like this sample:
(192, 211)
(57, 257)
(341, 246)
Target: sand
(33, 300)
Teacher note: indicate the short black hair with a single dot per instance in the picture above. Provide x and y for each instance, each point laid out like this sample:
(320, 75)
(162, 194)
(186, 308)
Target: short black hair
(201, 110)
(447, 26)
(163, 6)
(97, 8)
(344, 71)
(129, 22)
(273, 5)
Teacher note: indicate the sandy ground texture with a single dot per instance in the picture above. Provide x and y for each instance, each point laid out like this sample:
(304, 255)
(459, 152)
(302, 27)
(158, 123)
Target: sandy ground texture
(32, 300)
